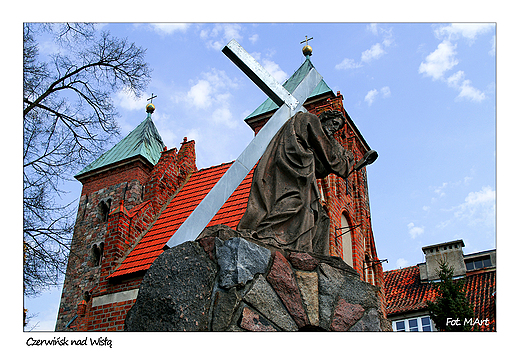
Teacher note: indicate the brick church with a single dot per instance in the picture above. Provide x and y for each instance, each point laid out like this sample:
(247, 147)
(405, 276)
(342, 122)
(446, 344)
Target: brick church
(137, 194)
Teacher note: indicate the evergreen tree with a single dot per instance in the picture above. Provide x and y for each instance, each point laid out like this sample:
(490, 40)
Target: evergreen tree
(451, 307)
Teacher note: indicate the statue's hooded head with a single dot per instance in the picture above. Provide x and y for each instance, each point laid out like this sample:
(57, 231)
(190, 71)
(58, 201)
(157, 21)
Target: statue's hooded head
(332, 121)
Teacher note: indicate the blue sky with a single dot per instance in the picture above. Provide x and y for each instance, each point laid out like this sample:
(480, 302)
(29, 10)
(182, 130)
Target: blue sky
(423, 95)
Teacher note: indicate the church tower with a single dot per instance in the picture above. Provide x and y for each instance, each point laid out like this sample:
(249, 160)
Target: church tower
(346, 201)
(122, 192)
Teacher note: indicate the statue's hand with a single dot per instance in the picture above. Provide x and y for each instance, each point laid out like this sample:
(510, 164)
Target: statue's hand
(350, 156)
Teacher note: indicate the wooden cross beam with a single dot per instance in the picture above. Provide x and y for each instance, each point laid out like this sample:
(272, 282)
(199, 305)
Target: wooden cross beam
(289, 105)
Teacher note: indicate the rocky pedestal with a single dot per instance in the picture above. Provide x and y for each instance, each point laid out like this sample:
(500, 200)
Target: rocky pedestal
(227, 281)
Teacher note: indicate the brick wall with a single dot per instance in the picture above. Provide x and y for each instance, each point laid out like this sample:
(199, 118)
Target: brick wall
(84, 267)
(107, 317)
(169, 173)
(116, 208)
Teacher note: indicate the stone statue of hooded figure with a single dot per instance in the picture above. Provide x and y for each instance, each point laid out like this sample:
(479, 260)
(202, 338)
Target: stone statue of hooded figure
(284, 206)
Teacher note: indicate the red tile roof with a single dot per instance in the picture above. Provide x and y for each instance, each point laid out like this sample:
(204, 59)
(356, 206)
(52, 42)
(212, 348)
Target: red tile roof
(180, 207)
(405, 292)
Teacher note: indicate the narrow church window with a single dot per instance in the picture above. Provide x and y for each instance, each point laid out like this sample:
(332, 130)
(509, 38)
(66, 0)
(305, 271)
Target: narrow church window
(97, 253)
(85, 206)
(104, 209)
(346, 240)
(369, 270)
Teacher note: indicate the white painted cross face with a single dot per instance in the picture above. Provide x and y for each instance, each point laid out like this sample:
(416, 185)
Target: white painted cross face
(289, 105)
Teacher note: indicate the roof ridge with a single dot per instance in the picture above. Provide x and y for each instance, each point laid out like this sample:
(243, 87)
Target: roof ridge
(214, 166)
(401, 269)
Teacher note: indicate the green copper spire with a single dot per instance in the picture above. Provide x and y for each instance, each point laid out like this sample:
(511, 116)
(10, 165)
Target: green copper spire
(144, 141)
(291, 84)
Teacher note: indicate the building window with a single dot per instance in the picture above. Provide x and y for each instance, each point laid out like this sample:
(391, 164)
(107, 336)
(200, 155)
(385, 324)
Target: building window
(346, 238)
(97, 253)
(417, 324)
(480, 263)
(104, 210)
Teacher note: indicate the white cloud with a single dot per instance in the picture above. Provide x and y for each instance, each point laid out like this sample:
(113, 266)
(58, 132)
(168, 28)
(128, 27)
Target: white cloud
(128, 101)
(492, 51)
(443, 58)
(388, 37)
(209, 89)
(221, 34)
(387, 42)
(469, 92)
(348, 63)
(468, 31)
(400, 263)
(223, 115)
(200, 94)
(478, 207)
(440, 190)
(269, 65)
(455, 79)
(439, 61)
(169, 28)
(466, 90)
(372, 28)
(375, 52)
(275, 70)
(372, 94)
(414, 230)
(211, 93)
(370, 97)
(253, 38)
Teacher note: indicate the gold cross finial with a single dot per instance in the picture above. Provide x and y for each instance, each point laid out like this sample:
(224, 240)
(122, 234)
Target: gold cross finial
(150, 108)
(307, 50)
(151, 98)
(306, 40)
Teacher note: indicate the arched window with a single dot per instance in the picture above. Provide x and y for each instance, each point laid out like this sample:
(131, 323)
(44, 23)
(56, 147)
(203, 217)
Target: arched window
(97, 253)
(347, 240)
(104, 210)
(369, 270)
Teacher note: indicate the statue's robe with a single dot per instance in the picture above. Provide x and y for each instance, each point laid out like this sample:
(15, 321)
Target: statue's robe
(284, 205)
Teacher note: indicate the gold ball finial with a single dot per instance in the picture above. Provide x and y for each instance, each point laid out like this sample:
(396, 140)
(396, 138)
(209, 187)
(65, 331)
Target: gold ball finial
(150, 108)
(307, 50)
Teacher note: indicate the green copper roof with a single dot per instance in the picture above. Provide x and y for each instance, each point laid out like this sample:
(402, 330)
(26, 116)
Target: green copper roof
(291, 84)
(144, 140)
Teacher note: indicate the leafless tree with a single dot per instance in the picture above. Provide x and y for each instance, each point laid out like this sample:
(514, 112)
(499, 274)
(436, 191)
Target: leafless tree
(68, 118)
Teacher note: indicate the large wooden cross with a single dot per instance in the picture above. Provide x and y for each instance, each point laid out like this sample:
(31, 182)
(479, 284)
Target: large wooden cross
(288, 104)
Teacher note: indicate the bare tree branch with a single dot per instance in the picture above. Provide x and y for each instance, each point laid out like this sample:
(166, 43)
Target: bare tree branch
(68, 118)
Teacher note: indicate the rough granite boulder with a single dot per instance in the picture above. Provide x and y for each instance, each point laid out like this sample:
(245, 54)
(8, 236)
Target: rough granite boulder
(228, 281)
(175, 294)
